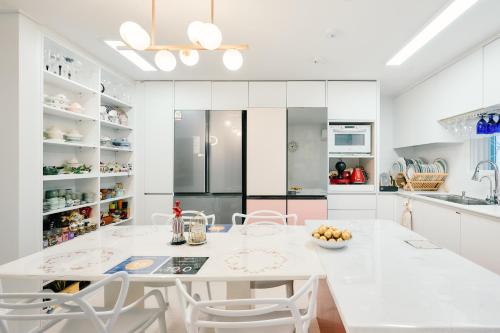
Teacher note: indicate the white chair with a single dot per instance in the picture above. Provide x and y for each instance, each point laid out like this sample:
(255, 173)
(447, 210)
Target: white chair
(166, 219)
(76, 314)
(267, 217)
(266, 315)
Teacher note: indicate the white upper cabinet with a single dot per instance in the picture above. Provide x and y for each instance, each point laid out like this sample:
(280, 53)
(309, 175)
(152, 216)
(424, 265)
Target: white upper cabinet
(492, 73)
(460, 86)
(305, 94)
(230, 95)
(267, 94)
(352, 100)
(159, 137)
(266, 151)
(193, 95)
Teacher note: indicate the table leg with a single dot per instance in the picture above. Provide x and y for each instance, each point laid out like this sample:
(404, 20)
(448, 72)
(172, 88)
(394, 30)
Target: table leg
(328, 316)
(111, 291)
(238, 290)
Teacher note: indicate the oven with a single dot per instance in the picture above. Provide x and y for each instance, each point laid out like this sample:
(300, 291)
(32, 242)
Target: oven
(349, 139)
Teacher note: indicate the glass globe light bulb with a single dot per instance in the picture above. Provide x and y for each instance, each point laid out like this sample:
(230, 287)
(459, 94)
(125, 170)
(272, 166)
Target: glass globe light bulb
(189, 57)
(232, 59)
(194, 30)
(210, 36)
(165, 60)
(135, 36)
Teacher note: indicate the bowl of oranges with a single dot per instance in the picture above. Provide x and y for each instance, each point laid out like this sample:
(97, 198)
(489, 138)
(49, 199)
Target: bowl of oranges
(331, 237)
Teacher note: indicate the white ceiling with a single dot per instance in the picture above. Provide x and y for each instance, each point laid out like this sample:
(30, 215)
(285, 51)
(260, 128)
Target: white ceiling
(285, 36)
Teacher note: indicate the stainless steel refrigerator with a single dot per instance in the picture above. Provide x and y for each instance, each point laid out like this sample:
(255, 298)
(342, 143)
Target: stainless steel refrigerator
(208, 165)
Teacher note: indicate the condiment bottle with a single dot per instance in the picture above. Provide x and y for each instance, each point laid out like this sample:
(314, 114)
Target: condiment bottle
(177, 226)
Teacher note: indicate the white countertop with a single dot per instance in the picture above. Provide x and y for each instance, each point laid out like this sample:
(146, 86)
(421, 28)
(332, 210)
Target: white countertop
(485, 210)
(382, 284)
(242, 254)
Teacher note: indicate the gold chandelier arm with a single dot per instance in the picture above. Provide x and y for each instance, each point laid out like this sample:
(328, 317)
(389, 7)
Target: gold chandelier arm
(153, 22)
(212, 11)
(197, 47)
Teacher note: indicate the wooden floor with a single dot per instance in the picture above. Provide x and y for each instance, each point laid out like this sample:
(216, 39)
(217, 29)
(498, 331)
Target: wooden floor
(175, 321)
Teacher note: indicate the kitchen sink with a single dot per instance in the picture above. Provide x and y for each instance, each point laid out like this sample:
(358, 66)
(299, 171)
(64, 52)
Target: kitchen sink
(457, 199)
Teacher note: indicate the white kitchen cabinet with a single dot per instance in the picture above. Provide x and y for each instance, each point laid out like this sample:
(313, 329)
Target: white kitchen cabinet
(416, 115)
(156, 203)
(440, 225)
(348, 214)
(229, 95)
(159, 137)
(479, 241)
(266, 151)
(459, 87)
(267, 94)
(492, 73)
(352, 201)
(305, 94)
(352, 100)
(386, 206)
(193, 95)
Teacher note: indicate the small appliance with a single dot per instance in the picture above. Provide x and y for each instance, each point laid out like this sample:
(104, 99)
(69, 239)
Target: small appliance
(349, 138)
(343, 176)
(358, 176)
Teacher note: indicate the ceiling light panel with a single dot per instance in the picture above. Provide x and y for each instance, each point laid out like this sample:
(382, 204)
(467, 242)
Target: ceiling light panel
(438, 24)
(131, 55)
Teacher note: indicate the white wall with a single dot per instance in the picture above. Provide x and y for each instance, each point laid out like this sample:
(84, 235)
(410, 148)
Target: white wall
(456, 155)
(386, 128)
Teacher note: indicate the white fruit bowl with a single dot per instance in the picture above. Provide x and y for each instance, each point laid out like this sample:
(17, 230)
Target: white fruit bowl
(330, 245)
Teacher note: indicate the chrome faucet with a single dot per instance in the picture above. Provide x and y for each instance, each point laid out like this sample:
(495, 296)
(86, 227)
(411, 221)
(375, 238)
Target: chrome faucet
(493, 198)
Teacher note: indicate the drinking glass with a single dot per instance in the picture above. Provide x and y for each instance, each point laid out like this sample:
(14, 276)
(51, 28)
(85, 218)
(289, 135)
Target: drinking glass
(481, 126)
(492, 125)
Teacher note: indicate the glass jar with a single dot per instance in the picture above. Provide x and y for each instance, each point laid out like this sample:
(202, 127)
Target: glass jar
(197, 230)
(65, 234)
(52, 239)
(45, 239)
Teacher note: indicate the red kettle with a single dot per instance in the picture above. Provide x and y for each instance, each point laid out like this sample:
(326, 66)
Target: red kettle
(358, 176)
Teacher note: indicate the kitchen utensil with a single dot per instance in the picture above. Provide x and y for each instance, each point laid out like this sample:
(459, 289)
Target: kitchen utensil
(358, 176)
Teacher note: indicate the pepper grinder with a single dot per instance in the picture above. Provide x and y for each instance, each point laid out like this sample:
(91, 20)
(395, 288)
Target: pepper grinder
(177, 226)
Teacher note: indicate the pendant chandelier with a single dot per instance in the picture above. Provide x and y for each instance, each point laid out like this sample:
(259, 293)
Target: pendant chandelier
(203, 36)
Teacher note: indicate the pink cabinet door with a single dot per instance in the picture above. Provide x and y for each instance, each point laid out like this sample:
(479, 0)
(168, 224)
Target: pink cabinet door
(278, 205)
(312, 209)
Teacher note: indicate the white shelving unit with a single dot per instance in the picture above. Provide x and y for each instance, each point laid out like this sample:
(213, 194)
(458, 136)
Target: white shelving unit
(83, 87)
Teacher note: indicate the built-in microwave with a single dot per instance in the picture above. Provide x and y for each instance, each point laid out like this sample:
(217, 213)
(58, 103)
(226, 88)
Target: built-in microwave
(349, 138)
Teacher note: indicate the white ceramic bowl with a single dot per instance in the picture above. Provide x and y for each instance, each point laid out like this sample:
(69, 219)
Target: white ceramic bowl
(330, 245)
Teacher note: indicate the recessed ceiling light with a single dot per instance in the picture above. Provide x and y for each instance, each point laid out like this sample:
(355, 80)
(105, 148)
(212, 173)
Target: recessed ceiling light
(445, 18)
(131, 55)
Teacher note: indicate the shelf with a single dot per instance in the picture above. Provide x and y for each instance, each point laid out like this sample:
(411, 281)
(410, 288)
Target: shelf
(110, 100)
(65, 209)
(127, 150)
(350, 188)
(117, 223)
(68, 144)
(115, 126)
(116, 199)
(66, 114)
(67, 84)
(116, 174)
(70, 176)
(350, 156)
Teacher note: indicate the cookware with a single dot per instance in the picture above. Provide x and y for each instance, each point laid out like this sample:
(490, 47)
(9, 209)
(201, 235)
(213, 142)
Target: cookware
(358, 176)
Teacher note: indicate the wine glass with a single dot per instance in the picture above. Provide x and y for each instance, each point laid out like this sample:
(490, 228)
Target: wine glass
(492, 125)
(481, 125)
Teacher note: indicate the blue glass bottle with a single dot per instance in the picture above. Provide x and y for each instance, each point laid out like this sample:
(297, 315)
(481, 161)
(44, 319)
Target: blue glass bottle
(497, 129)
(492, 125)
(481, 126)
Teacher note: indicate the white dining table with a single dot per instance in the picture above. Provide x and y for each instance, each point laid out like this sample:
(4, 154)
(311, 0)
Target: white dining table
(244, 253)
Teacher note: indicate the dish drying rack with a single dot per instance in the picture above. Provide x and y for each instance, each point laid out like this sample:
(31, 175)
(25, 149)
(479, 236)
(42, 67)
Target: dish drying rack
(422, 181)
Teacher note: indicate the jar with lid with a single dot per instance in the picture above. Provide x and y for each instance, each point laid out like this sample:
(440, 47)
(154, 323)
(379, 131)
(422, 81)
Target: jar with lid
(51, 237)
(197, 229)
